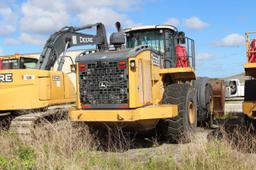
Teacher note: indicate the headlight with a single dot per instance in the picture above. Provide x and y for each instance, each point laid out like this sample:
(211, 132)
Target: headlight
(132, 64)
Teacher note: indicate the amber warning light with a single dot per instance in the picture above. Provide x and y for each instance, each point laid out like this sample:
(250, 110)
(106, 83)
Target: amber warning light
(82, 67)
(122, 65)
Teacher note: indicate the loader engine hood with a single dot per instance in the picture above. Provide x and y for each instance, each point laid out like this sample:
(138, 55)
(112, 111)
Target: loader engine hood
(103, 79)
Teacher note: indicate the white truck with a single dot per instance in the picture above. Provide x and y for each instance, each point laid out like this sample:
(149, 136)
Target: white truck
(234, 89)
(234, 95)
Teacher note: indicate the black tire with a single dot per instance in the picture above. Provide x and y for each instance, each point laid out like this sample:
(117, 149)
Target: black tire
(250, 124)
(204, 101)
(178, 129)
(208, 112)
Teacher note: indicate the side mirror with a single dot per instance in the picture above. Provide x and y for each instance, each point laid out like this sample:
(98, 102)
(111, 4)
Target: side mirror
(181, 38)
(73, 68)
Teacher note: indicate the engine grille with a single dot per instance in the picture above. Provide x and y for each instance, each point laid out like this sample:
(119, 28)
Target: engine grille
(104, 84)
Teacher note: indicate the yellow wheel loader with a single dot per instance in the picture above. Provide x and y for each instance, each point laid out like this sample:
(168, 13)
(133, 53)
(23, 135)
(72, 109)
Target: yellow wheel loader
(249, 104)
(144, 85)
(28, 85)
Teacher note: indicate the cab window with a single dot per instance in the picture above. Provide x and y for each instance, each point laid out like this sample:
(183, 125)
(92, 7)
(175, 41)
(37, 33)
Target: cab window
(154, 39)
(28, 63)
(10, 64)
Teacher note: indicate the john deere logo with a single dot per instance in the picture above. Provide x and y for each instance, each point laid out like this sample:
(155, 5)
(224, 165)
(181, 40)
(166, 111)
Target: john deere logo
(103, 84)
(6, 78)
(86, 40)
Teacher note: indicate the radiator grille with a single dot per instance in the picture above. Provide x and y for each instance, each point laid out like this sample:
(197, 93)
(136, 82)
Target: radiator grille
(104, 83)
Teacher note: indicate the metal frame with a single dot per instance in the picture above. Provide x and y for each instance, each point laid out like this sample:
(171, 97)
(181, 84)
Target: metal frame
(190, 46)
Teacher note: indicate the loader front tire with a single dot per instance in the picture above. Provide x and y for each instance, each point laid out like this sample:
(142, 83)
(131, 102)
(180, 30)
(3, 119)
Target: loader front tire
(179, 128)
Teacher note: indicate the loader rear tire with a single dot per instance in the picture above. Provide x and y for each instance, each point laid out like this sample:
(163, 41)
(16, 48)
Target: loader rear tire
(179, 128)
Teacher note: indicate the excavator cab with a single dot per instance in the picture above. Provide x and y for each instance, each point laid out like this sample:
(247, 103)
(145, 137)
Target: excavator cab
(17, 62)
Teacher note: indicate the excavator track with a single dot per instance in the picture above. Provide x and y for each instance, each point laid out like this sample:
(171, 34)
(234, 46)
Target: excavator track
(5, 120)
(25, 125)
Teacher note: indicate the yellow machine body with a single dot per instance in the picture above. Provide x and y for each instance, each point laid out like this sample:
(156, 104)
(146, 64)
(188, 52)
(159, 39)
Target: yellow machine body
(146, 88)
(249, 107)
(25, 89)
(15, 56)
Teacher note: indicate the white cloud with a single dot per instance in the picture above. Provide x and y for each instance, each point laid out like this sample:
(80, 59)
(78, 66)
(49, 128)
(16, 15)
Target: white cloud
(6, 29)
(204, 56)
(195, 23)
(7, 20)
(11, 41)
(106, 11)
(25, 38)
(35, 20)
(105, 15)
(43, 16)
(31, 39)
(173, 21)
(114, 4)
(7, 14)
(231, 40)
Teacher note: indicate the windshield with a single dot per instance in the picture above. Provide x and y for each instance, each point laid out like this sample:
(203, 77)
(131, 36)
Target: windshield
(152, 38)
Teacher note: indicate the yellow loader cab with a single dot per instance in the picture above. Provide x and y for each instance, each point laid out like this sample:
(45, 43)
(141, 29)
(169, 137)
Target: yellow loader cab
(24, 87)
(141, 86)
(249, 104)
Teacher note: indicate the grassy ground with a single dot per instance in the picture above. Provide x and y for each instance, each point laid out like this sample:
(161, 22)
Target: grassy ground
(66, 147)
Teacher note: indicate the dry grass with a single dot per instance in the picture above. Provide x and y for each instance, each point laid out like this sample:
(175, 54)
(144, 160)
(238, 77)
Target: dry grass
(214, 154)
(68, 147)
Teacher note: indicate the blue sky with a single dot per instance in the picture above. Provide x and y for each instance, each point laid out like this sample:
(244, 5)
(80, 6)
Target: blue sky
(217, 26)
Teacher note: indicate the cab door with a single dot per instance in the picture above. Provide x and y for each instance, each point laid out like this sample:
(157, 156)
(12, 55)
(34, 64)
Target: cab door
(145, 81)
(57, 85)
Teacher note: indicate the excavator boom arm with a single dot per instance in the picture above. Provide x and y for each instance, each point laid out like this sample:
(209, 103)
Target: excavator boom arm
(68, 37)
